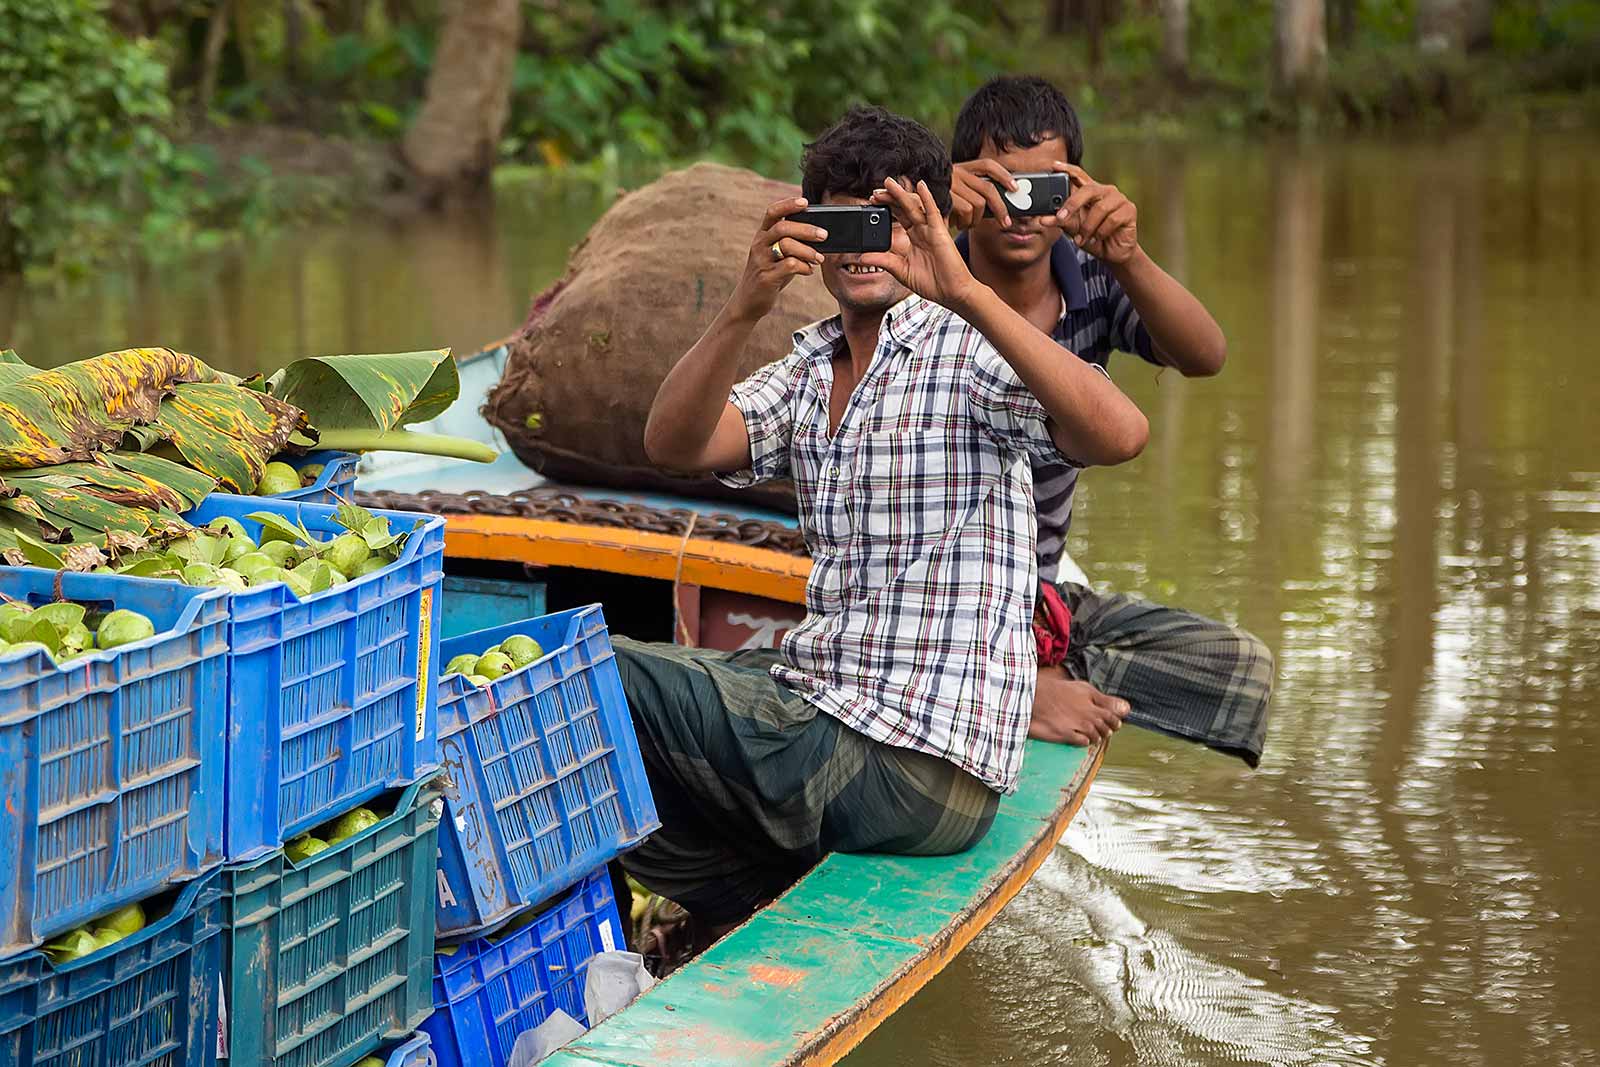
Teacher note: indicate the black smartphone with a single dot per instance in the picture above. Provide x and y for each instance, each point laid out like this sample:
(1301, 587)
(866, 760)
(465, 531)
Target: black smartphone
(1036, 194)
(850, 228)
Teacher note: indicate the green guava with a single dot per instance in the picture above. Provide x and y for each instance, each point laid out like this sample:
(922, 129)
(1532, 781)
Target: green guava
(522, 649)
(227, 526)
(279, 552)
(351, 823)
(494, 664)
(304, 847)
(72, 945)
(478, 680)
(461, 664)
(346, 553)
(123, 627)
(125, 920)
(278, 478)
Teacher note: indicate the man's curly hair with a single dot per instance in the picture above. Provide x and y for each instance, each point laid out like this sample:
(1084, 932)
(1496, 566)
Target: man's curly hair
(855, 155)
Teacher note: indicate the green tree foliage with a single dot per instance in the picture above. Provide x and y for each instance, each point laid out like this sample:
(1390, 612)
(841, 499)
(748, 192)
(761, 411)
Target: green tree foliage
(741, 79)
(81, 130)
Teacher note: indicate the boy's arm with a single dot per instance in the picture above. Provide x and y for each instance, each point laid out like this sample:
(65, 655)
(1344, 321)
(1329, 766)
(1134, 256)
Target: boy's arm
(1101, 220)
(1090, 421)
(692, 426)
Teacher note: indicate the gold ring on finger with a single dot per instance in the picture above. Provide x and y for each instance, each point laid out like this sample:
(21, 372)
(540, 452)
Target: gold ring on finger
(777, 252)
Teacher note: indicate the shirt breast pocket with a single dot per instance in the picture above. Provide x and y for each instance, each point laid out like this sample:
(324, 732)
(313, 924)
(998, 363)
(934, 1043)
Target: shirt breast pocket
(908, 482)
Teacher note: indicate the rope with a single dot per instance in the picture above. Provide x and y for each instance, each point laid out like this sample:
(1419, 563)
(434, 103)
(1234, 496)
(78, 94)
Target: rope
(677, 583)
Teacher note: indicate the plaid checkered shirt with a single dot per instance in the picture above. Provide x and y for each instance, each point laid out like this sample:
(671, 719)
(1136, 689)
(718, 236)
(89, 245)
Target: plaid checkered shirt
(920, 519)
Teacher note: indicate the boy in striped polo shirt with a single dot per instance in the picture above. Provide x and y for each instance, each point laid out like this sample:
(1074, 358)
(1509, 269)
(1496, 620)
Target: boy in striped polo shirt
(1082, 278)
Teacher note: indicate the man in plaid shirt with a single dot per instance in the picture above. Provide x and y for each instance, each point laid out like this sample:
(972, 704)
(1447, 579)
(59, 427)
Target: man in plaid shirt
(895, 714)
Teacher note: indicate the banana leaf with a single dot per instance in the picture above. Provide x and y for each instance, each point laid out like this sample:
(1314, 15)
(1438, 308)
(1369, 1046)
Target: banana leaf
(376, 392)
(12, 367)
(227, 432)
(72, 412)
(190, 484)
(108, 483)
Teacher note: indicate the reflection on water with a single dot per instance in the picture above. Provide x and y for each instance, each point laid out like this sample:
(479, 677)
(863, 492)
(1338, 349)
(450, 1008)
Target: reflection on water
(1396, 483)
(374, 285)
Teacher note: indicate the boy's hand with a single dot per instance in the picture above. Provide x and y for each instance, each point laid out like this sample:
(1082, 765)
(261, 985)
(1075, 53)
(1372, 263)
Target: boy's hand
(777, 257)
(1099, 218)
(972, 193)
(925, 260)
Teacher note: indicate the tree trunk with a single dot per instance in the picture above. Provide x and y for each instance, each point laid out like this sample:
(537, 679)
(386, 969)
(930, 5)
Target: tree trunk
(293, 33)
(1300, 48)
(1342, 22)
(211, 60)
(455, 136)
(1454, 25)
(1442, 25)
(1175, 39)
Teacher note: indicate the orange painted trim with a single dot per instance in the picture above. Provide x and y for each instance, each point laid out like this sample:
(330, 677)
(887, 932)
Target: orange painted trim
(716, 564)
(833, 1042)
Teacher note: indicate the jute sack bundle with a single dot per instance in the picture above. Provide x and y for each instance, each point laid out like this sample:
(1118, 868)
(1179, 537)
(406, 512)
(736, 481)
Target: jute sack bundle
(639, 291)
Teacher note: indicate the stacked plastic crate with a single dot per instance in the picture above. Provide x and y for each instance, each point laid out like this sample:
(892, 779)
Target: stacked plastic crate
(544, 786)
(111, 829)
(330, 747)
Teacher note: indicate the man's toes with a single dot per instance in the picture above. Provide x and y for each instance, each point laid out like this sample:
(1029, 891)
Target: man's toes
(1115, 705)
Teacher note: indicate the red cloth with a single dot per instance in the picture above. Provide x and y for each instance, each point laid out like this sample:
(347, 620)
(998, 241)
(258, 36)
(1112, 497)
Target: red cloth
(1052, 626)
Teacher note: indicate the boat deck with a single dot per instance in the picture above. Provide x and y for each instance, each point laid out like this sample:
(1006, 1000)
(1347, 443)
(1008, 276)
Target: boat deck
(812, 974)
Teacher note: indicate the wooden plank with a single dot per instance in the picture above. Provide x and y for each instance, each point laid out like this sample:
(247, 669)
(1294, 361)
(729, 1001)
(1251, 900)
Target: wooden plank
(806, 979)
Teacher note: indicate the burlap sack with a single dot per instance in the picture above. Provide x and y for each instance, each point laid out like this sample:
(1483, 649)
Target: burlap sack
(640, 290)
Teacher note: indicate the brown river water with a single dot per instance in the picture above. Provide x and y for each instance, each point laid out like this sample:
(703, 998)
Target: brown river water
(1395, 482)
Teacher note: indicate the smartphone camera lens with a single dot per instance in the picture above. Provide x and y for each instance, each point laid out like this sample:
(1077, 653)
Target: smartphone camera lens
(1055, 201)
(872, 219)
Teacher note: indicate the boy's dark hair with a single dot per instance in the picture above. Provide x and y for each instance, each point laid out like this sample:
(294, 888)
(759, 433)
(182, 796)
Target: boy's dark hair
(855, 155)
(1015, 112)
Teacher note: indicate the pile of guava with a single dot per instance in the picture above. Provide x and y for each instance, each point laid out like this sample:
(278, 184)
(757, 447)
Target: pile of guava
(326, 836)
(97, 934)
(222, 554)
(66, 630)
(497, 661)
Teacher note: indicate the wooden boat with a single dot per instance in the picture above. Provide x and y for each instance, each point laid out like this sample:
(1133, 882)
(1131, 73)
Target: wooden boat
(808, 977)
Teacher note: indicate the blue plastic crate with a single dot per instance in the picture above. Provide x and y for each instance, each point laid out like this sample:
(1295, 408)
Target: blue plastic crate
(493, 989)
(546, 779)
(331, 700)
(111, 766)
(328, 959)
(335, 485)
(150, 1000)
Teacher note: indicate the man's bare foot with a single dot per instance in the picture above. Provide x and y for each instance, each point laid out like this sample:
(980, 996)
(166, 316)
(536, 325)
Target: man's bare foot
(1067, 711)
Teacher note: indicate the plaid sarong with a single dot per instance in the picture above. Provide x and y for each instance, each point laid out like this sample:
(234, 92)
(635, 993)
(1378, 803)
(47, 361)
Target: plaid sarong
(753, 785)
(1182, 674)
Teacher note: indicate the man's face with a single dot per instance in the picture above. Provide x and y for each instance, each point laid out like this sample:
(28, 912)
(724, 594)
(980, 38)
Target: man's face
(858, 288)
(1028, 239)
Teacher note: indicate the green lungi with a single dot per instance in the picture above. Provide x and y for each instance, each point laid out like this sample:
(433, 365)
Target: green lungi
(754, 785)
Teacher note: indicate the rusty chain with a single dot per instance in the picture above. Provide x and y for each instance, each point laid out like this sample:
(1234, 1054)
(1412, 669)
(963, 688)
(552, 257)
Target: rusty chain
(561, 506)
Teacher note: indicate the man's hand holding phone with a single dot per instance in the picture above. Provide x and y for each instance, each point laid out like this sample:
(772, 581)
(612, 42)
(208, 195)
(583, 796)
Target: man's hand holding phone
(778, 255)
(928, 262)
(1098, 217)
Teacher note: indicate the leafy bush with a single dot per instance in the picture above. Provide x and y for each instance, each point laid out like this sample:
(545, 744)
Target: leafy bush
(741, 79)
(81, 131)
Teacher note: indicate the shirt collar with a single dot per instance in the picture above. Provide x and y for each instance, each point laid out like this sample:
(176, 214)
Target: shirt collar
(1064, 267)
(902, 323)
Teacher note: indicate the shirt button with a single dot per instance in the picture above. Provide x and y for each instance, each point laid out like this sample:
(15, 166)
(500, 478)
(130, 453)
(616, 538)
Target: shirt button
(834, 471)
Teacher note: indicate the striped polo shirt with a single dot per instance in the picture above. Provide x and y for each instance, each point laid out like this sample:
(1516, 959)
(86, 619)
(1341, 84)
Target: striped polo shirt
(1097, 317)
